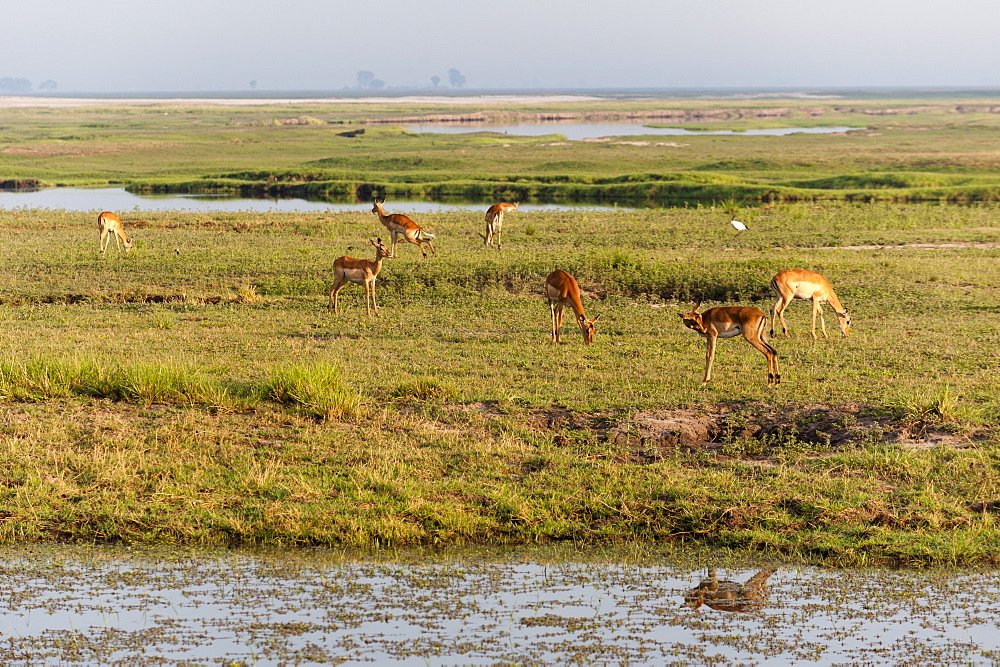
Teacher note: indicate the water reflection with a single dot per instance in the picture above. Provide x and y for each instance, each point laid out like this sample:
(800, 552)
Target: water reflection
(576, 131)
(117, 199)
(99, 605)
(725, 595)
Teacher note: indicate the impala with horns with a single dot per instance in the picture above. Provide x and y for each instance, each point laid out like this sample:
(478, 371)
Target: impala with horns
(360, 272)
(730, 321)
(562, 290)
(109, 225)
(802, 284)
(400, 225)
(494, 222)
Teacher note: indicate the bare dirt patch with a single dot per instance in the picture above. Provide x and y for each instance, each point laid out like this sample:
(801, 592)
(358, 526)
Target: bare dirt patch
(651, 435)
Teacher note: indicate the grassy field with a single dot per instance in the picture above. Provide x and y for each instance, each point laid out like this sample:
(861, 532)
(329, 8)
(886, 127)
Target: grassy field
(197, 391)
(932, 149)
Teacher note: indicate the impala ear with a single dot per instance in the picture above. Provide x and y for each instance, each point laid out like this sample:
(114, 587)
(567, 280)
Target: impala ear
(595, 319)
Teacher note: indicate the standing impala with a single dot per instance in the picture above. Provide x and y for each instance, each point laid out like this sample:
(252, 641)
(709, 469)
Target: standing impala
(109, 223)
(802, 284)
(400, 225)
(358, 271)
(563, 290)
(730, 321)
(494, 222)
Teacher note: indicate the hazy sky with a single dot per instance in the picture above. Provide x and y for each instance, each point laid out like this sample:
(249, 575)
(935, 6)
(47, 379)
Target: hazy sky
(209, 45)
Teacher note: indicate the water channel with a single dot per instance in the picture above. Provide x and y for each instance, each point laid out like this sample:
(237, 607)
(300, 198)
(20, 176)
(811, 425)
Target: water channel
(118, 199)
(99, 605)
(575, 131)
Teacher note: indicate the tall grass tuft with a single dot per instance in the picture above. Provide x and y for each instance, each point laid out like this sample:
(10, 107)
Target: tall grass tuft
(38, 379)
(316, 388)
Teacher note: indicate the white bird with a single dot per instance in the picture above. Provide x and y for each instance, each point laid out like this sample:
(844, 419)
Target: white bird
(737, 224)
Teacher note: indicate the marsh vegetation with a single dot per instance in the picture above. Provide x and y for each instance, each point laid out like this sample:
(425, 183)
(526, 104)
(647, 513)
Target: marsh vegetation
(196, 390)
(904, 150)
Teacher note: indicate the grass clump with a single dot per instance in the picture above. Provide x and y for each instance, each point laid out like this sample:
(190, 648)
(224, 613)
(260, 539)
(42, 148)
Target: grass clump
(317, 389)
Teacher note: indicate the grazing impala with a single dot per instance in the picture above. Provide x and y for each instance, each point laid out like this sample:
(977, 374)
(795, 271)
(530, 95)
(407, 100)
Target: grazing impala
(563, 290)
(399, 225)
(109, 223)
(494, 222)
(729, 321)
(358, 271)
(802, 284)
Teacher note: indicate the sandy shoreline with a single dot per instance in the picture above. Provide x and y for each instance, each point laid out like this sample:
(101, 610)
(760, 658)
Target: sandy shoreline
(10, 102)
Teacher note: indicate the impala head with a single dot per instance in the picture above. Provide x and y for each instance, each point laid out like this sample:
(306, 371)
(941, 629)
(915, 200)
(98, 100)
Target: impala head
(587, 328)
(693, 320)
(128, 245)
(377, 208)
(380, 249)
(845, 323)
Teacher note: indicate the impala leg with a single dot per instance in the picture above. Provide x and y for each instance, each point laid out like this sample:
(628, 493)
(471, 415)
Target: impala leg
(555, 310)
(104, 240)
(770, 355)
(335, 297)
(781, 315)
(778, 315)
(822, 320)
(374, 304)
(709, 357)
(552, 321)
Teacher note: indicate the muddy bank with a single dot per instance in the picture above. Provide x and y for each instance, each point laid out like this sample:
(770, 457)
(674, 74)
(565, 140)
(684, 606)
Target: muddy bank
(648, 436)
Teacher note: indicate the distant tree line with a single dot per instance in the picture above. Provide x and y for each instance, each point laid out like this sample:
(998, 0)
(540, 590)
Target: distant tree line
(367, 80)
(19, 85)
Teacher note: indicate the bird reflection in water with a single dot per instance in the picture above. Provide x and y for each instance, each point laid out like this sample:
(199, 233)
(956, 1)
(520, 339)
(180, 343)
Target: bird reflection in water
(727, 595)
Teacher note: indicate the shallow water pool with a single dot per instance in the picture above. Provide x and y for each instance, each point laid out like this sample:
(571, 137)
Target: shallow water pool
(74, 604)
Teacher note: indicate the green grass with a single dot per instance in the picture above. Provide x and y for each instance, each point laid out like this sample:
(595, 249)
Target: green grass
(929, 149)
(207, 397)
(197, 391)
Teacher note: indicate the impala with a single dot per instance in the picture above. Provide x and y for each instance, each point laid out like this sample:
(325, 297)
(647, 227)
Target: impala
(400, 225)
(358, 271)
(563, 290)
(727, 322)
(802, 284)
(109, 223)
(494, 222)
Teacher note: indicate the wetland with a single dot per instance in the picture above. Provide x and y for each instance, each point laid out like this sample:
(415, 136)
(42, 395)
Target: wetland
(525, 606)
(195, 394)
